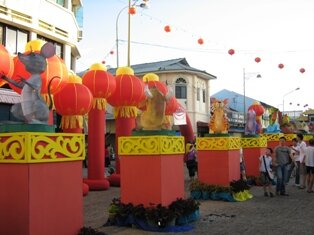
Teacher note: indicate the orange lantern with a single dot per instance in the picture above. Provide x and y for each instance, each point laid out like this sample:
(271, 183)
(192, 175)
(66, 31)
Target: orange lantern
(128, 94)
(257, 59)
(132, 10)
(6, 64)
(200, 41)
(280, 66)
(302, 70)
(101, 83)
(72, 102)
(231, 52)
(167, 28)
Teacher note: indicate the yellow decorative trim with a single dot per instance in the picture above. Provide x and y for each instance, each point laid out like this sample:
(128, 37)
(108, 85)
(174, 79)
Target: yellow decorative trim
(272, 137)
(39, 147)
(151, 145)
(218, 143)
(289, 137)
(258, 142)
(307, 137)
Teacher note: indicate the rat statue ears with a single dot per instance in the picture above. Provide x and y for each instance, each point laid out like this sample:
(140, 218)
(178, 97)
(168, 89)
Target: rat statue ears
(48, 50)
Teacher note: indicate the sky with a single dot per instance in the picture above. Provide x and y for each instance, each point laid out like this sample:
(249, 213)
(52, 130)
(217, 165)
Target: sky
(276, 31)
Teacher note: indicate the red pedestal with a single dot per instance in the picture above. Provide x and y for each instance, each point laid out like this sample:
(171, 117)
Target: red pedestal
(251, 160)
(152, 179)
(156, 177)
(218, 159)
(218, 167)
(44, 198)
(253, 148)
(41, 183)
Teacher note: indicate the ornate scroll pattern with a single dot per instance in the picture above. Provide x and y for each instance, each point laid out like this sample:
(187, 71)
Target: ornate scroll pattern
(150, 145)
(12, 148)
(218, 143)
(275, 137)
(41, 147)
(254, 142)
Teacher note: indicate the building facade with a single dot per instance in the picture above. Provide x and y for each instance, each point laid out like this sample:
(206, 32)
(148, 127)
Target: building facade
(56, 21)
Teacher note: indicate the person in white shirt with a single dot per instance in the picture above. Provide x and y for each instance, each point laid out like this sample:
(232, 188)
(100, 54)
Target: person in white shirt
(309, 164)
(302, 147)
(295, 152)
(265, 163)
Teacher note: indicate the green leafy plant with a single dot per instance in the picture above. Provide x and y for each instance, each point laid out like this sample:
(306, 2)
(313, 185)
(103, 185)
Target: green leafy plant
(160, 216)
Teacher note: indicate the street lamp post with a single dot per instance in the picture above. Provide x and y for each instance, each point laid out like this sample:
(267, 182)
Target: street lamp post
(283, 98)
(244, 96)
(142, 5)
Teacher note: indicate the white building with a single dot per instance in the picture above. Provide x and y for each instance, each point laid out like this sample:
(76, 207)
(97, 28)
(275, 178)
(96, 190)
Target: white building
(56, 21)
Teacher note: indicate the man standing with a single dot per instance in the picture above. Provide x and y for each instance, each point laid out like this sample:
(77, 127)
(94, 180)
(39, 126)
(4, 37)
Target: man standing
(282, 159)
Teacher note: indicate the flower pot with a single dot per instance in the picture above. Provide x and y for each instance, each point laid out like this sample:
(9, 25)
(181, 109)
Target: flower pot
(195, 194)
(205, 195)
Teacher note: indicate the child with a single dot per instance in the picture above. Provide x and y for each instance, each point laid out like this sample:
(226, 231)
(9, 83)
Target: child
(190, 160)
(266, 160)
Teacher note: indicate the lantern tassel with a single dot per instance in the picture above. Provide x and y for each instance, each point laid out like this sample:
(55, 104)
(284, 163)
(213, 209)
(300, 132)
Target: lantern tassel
(99, 103)
(125, 111)
(71, 121)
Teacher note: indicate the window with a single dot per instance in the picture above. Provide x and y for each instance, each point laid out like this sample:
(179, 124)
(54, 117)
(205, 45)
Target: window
(60, 2)
(204, 96)
(59, 46)
(198, 91)
(181, 88)
(14, 39)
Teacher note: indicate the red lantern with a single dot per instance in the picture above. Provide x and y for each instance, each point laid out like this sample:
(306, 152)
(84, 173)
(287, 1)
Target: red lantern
(128, 94)
(167, 28)
(132, 10)
(55, 68)
(172, 106)
(6, 64)
(200, 41)
(101, 83)
(257, 59)
(231, 52)
(111, 52)
(302, 70)
(280, 66)
(72, 102)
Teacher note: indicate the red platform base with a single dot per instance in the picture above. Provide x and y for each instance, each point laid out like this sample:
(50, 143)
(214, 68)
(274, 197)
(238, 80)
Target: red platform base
(251, 160)
(218, 166)
(157, 179)
(41, 198)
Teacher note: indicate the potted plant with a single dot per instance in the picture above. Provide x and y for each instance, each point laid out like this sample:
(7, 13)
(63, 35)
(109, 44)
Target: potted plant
(196, 189)
(160, 216)
(186, 211)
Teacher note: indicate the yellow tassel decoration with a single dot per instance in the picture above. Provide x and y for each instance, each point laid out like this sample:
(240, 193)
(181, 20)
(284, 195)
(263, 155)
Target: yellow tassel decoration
(99, 103)
(71, 121)
(125, 111)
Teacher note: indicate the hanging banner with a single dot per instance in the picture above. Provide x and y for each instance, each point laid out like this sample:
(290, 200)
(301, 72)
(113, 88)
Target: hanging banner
(179, 118)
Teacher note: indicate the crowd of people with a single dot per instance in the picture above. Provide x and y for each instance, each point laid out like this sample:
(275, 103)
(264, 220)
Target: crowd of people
(297, 159)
